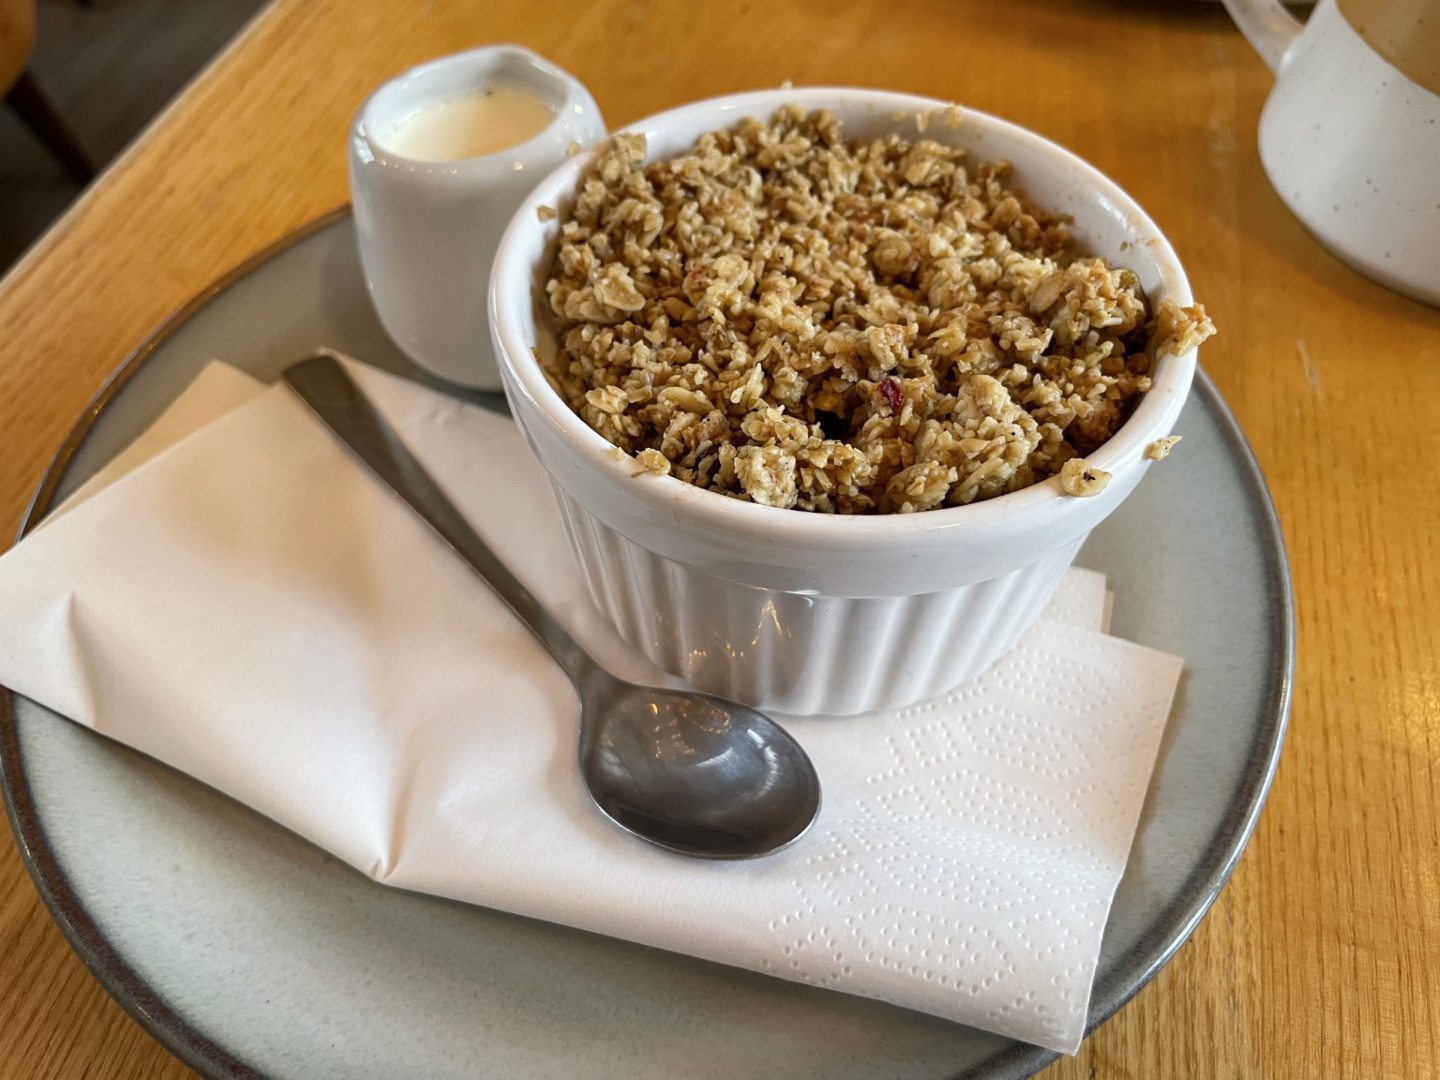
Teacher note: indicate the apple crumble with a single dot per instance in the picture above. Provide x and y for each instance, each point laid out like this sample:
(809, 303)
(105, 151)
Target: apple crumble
(785, 316)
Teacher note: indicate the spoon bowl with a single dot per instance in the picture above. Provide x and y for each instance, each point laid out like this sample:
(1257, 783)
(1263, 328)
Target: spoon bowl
(695, 773)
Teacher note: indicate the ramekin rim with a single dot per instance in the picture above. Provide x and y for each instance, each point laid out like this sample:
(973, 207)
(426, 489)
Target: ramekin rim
(1155, 412)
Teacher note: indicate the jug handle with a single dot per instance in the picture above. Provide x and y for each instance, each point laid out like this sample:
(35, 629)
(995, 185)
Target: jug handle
(1267, 26)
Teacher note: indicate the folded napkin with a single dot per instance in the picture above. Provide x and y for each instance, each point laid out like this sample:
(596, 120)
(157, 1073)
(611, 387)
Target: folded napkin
(236, 597)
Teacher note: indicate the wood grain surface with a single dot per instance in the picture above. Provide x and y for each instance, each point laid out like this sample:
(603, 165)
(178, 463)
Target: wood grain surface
(1322, 956)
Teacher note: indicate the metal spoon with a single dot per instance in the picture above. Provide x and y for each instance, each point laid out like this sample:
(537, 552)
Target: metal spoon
(691, 772)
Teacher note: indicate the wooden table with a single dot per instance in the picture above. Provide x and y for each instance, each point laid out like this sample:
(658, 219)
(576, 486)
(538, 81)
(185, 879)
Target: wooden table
(1322, 957)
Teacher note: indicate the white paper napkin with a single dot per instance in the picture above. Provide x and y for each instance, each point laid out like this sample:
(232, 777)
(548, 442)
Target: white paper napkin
(239, 599)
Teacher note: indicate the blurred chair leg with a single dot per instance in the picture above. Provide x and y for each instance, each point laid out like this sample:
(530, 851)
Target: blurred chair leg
(40, 117)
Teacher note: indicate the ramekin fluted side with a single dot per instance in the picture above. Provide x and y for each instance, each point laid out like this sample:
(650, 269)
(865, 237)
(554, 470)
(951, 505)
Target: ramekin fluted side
(802, 654)
(820, 614)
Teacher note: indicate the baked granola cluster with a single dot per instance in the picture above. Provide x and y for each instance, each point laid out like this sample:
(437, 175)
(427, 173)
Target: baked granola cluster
(851, 327)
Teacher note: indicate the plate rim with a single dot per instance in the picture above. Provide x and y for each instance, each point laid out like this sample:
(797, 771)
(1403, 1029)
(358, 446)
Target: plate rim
(170, 1028)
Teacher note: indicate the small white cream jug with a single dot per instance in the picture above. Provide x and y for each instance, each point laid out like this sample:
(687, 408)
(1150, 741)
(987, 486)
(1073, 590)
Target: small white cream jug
(428, 229)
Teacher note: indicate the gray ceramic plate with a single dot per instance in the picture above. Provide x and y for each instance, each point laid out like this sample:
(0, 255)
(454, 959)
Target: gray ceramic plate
(246, 951)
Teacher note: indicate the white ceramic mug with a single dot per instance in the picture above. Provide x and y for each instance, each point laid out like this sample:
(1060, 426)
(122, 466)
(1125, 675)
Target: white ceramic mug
(428, 230)
(1350, 136)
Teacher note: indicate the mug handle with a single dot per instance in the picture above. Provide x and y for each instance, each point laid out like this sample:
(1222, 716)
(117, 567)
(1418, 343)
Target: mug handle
(1267, 26)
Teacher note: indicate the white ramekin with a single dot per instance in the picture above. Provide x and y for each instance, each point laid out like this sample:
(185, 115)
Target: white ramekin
(809, 613)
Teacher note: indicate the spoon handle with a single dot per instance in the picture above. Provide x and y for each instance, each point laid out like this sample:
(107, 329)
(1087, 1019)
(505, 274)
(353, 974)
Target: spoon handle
(324, 385)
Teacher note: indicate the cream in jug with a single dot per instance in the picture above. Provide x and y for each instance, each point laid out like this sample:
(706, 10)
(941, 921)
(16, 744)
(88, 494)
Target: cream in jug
(469, 126)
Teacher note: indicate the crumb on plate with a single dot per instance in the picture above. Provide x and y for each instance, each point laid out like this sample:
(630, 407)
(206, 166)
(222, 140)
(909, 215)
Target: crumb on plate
(1160, 449)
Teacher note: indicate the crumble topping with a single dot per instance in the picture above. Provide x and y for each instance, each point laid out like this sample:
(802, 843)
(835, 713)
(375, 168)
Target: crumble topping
(785, 316)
